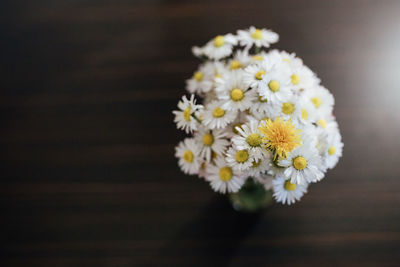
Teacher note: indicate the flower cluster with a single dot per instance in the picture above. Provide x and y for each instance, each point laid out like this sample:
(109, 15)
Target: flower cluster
(264, 114)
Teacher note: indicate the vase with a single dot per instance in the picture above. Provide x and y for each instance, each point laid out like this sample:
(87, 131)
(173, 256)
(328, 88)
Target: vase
(251, 198)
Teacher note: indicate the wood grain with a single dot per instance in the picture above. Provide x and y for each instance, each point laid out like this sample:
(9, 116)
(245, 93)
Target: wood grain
(87, 138)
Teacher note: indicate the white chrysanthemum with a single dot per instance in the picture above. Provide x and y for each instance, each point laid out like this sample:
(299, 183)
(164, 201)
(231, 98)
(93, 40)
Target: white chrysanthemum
(286, 192)
(235, 92)
(201, 81)
(184, 118)
(254, 73)
(223, 178)
(333, 150)
(240, 60)
(327, 123)
(303, 165)
(188, 154)
(321, 99)
(250, 138)
(239, 160)
(260, 166)
(216, 117)
(289, 109)
(257, 37)
(211, 141)
(302, 77)
(275, 85)
(219, 47)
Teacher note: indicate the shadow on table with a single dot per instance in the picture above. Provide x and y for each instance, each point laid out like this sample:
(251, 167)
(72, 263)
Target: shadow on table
(213, 238)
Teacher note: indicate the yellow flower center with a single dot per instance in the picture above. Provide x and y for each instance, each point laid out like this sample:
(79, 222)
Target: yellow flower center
(237, 94)
(198, 76)
(289, 186)
(258, 57)
(321, 123)
(274, 86)
(316, 101)
(214, 155)
(225, 174)
(259, 74)
(208, 139)
(304, 114)
(242, 156)
(235, 64)
(186, 114)
(218, 75)
(299, 163)
(286, 60)
(287, 108)
(257, 34)
(280, 136)
(219, 41)
(236, 125)
(218, 113)
(256, 163)
(262, 100)
(254, 139)
(332, 150)
(188, 156)
(295, 79)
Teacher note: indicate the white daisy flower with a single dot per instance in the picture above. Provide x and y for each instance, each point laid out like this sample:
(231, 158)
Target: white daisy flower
(239, 160)
(201, 81)
(188, 154)
(333, 150)
(240, 60)
(223, 178)
(275, 85)
(303, 78)
(257, 37)
(282, 56)
(289, 109)
(250, 138)
(286, 192)
(260, 166)
(185, 117)
(303, 165)
(198, 51)
(215, 116)
(211, 141)
(254, 73)
(327, 123)
(257, 58)
(262, 108)
(321, 99)
(235, 92)
(219, 47)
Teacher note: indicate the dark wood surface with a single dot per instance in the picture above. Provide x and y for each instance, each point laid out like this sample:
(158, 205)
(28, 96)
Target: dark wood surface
(88, 176)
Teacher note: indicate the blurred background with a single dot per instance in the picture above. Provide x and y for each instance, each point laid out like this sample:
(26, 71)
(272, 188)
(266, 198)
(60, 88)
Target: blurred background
(88, 174)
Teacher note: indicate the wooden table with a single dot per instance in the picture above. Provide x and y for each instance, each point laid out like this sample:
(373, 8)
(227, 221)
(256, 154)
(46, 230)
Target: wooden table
(88, 176)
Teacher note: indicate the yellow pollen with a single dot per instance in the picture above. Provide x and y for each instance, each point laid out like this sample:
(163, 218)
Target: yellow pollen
(256, 163)
(259, 74)
(295, 79)
(289, 186)
(218, 113)
(262, 100)
(198, 76)
(258, 57)
(321, 123)
(235, 64)
(188, 156)
(332, 150)
(280, 137)
(257, 34)
(242, 156)
(237, 125)
(274, 86)
(287, 108)
(208, 139)
(187, 113)
(299, 163)
(237, 94)
(304, 114)
(316, 101)
(225, 174)
(254, 140)
(219, 41)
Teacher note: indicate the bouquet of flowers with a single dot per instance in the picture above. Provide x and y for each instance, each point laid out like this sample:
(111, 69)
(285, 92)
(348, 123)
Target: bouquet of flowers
(263, 116)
